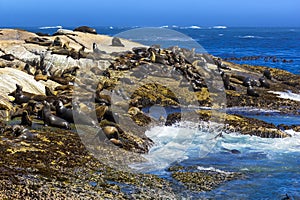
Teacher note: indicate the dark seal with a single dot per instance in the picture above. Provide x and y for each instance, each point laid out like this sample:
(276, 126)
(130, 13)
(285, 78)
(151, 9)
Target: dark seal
(267, 74)
(63, 112)
(25, 119)
(68, 115)
(19, 96)
(52, 120)
(116, 42)
(252, 92)
(8, 57)
(86, 29)
(264, 83)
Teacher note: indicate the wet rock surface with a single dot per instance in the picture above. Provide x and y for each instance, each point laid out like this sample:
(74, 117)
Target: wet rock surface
(108, 83)
(202, 180)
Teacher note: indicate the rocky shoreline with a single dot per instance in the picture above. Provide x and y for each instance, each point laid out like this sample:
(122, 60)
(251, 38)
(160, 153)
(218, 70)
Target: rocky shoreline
(108, 82)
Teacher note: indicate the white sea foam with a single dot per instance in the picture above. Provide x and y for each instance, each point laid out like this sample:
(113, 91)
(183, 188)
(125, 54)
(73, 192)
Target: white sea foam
(287, 95)
(270, 146)
(165, 26)
(51, 27)
(191, 27)
(177, 143)
(250, 37)
(219, 27)
(212, 169)
(251, 110)
(194, 27)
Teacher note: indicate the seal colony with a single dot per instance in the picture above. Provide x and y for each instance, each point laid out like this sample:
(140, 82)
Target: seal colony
(99, 68)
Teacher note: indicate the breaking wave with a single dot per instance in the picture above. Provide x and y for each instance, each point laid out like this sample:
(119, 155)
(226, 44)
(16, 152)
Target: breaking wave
(51, 27)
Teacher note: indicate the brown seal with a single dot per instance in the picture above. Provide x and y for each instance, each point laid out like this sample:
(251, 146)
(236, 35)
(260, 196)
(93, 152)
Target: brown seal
(25, 119)
(19, 96)
(86, 29)
(111, 132)
(52, 120)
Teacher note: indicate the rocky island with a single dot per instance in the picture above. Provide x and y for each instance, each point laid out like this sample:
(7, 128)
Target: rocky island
(53, 85)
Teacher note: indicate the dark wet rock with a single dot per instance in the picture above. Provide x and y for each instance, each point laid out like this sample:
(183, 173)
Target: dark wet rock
(86, 29)
(203, 180)
(58, 166)
(173, 118)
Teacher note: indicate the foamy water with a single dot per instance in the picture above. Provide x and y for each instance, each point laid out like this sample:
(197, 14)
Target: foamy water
(271, 165)
(177, 143)
(287, 95)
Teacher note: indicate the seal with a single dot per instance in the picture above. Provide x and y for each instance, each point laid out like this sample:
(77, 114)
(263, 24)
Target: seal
(57, 42)
(68, 115)
(25, 119)
(22, 133)
(264, 82)
(39, 41)
(19, 96)
(226, 80)
(85, 29)
(29, 69)
(267, 74)
(116, 42)
(249, 82)
(8, 57)
(52, 120)
(38, 76)
(97, 50)
(111, 132)
(251, 92)
(63, 112)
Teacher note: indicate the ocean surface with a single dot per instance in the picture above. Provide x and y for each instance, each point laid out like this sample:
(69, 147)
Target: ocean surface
(271, 166)
(225, 42)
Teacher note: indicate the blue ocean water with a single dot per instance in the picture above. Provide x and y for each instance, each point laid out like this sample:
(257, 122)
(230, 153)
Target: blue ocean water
(271, 166)
(227, 42)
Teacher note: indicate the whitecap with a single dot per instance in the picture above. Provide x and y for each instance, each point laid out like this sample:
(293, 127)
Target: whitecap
(250, 37)
(177, 143)
(51, 27)
(191, 27)
(165, 26)
(219, 27)
(212, 169)
(270, 146)
(195, 27)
